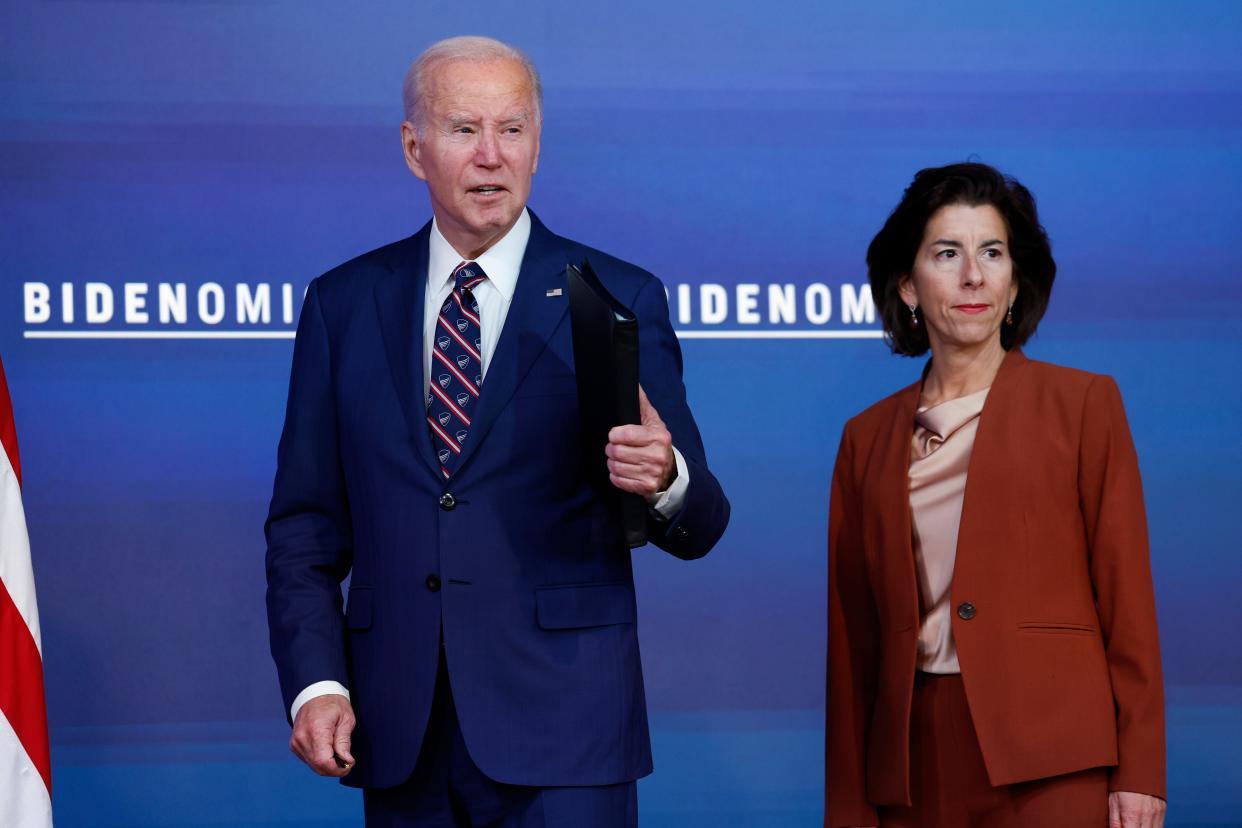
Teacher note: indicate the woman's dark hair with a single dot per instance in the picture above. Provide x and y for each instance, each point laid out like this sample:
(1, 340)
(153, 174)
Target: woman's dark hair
(890, 257)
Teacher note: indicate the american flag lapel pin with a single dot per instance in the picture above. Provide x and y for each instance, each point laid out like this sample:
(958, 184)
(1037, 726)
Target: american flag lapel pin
(553, 292)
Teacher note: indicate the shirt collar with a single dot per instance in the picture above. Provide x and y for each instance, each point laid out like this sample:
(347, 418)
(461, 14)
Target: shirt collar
(501, 262)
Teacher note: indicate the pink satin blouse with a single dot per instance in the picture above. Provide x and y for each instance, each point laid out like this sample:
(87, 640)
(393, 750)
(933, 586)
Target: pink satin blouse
(940, 454)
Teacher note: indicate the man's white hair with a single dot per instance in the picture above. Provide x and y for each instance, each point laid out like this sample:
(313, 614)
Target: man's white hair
(470, 48)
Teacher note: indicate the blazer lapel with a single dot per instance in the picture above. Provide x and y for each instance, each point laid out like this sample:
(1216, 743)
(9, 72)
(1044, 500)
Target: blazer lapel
(995, 463)
(898, 569)
(399, 301)
(533, 316)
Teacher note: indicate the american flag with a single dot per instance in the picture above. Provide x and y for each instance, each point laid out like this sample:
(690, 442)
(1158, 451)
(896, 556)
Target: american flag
(25, 764)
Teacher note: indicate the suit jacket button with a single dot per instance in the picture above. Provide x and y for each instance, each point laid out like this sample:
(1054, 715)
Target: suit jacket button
(447, 502)
(965, 610)
(433, 583)
(680, 533)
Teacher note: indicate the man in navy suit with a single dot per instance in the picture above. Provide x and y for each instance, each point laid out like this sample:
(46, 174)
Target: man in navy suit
(485, 668)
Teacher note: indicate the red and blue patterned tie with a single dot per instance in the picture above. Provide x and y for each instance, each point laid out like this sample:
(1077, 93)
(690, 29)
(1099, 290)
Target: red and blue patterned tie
(456, 368)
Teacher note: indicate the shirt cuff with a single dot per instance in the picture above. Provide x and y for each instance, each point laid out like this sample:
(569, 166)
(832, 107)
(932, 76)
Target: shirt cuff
(319, 688)
(668, 503)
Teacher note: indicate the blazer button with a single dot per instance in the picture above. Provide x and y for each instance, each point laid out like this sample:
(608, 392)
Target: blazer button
(433, 582)
(447, 502)
(680, 533)
(965, 610)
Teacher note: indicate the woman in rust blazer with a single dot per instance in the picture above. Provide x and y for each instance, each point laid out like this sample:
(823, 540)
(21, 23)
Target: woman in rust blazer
(993, 658)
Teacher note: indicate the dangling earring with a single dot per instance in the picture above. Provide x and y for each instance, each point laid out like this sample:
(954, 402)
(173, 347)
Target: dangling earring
(1009, 316)
(914, 318)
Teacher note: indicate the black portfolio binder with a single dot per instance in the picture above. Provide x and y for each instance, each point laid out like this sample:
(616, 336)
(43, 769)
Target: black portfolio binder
(606, 362)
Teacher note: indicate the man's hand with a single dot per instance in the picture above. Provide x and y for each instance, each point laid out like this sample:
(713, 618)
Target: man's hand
(321, 734)
(1135, 810)
(640, 457)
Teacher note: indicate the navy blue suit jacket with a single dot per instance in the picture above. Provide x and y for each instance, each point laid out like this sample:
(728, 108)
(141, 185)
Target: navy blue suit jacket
(523, 571)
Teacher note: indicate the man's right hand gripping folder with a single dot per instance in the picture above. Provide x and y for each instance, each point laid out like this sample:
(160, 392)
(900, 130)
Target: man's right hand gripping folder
(606, 363)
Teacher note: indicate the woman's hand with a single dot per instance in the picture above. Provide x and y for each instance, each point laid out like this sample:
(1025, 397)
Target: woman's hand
(1135, 810)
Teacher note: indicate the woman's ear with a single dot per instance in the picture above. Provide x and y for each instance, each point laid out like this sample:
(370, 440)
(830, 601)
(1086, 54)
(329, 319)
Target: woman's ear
(905, 287)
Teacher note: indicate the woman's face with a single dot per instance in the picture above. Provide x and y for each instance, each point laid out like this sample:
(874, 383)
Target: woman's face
(962, 279)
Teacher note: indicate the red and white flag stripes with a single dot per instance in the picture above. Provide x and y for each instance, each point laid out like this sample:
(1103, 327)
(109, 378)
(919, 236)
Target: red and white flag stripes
(25, 764)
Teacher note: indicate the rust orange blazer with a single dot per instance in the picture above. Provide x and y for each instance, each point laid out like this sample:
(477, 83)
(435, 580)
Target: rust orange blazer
(1060, 661)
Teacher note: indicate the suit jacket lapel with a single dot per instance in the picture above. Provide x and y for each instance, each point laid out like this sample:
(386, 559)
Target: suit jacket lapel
(533, 316)
(995, 465)
(894, 519)
(399, 303)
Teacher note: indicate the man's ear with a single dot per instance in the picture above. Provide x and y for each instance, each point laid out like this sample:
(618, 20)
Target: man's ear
(412, 146)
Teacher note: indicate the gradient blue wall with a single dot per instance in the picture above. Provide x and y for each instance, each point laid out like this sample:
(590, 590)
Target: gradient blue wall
(725, 143)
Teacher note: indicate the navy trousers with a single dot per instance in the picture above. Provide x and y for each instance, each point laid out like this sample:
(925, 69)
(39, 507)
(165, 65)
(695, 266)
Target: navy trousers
(447, 790)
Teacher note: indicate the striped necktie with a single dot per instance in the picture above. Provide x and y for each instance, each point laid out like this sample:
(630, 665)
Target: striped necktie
(456, 368)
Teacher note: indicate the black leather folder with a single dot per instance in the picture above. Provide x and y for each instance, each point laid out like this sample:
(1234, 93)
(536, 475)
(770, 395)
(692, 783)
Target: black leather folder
(606, 363)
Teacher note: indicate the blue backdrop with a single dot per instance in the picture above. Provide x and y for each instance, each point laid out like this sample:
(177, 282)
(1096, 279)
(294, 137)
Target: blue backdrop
(165, 166)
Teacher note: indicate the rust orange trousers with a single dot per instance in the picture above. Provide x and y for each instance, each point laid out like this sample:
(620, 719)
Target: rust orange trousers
(949, 782)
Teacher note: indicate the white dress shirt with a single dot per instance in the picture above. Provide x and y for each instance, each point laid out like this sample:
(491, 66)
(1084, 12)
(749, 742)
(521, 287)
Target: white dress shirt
(502, 263)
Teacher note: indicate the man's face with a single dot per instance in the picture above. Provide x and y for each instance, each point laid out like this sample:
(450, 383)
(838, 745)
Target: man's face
(478, 150)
